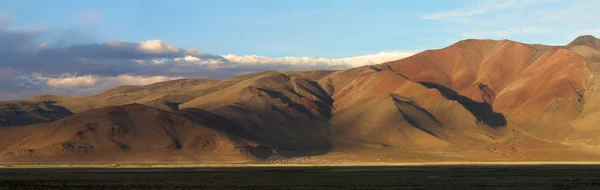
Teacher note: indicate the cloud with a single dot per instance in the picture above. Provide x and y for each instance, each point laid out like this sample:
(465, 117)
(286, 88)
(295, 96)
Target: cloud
(309, 62)
(157, 47)
(74, 82)
(32, 67)
(141, 80)
(89, 81)
(232, 65)
(481, 7)
(154, 57)
(69, 84)
(528, 21)
(120, 50)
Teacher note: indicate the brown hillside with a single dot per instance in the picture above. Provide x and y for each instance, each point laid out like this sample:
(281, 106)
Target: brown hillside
(587, 46)
(473, 100)
(533, 86)
(122, 132)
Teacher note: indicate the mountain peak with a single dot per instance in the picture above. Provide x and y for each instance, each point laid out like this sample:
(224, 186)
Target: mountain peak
(586, 37)
(586, 40)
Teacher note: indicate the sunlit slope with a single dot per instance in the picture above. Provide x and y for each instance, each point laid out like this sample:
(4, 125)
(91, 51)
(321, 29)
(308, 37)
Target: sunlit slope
(474, 99)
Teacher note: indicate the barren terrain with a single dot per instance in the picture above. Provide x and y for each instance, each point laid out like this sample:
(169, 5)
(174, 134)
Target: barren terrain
(476, 100)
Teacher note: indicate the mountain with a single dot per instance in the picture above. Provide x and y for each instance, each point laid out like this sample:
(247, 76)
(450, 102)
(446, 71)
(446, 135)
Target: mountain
(586, 40)
(16, 113)
(587, 46)
(535, 87)
(473, 100)
(134, 132)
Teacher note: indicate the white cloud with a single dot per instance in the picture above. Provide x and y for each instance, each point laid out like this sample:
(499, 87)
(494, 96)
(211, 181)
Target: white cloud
(255, 62)
(138, 80)
(481, 7)
(346, 62)
(90, 81)
(159, 61)
(32, 67)
(70, 85)
(190, 58)
(157, 47)
(72, 82)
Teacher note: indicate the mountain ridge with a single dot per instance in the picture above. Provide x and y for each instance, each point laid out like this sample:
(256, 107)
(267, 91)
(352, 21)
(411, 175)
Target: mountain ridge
(474, 100)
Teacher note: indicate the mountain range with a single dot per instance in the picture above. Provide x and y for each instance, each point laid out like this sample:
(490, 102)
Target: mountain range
(475, 100)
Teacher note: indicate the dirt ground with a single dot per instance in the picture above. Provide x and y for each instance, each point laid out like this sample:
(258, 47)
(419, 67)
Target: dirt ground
(382, 177)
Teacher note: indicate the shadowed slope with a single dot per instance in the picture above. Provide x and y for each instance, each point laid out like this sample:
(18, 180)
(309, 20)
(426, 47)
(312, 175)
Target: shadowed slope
(401, 122)
(468, 65)
(392, 123)
(496, 97)
(124, 131)
(482, 111)
(537, 87)
(15, 113)
(285, 112)
(383, 108)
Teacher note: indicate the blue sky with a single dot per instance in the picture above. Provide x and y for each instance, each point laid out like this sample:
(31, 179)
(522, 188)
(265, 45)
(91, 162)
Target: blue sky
(332, 28)
(81, 47)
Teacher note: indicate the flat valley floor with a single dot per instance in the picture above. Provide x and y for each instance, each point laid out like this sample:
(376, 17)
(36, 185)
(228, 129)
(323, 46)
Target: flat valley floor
(380, 177)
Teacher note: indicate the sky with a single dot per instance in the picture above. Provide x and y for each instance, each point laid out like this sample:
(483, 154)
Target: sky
(82, 47)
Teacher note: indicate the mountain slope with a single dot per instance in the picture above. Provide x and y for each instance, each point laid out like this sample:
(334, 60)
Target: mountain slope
(15, 113)
(536, 87)
(475, 99)
(126, 132)
(587, 46)
(285, 111)
(165, 95)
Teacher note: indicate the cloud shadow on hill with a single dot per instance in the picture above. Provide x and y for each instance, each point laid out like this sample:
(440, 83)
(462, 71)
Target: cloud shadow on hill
(481, 110)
